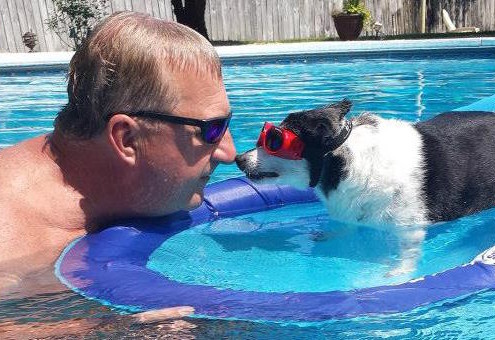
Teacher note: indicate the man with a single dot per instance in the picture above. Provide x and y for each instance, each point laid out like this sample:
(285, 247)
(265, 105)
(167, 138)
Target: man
(144, 128)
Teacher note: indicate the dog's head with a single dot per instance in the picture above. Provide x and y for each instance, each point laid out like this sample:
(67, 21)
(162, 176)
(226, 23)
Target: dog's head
(321, 130)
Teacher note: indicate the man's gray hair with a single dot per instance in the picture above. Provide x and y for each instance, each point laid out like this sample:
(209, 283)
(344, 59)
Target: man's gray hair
(126, 65)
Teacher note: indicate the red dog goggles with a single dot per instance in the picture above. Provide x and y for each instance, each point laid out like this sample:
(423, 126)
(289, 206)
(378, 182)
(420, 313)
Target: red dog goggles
(280, 142)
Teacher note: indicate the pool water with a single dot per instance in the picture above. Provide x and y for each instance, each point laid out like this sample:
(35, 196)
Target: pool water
(307, 251)
(292, 256)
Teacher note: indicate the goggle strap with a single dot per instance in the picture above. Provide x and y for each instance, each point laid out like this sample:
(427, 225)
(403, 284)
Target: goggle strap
(341, 138)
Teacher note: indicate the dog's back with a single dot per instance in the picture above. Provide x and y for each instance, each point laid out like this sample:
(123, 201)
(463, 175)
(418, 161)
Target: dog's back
(459, 155)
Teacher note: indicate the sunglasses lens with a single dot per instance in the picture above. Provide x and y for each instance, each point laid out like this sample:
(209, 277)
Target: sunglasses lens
(274, 139)
(215, 130)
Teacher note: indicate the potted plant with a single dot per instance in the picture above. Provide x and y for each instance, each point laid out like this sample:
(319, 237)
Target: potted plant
(349, 23)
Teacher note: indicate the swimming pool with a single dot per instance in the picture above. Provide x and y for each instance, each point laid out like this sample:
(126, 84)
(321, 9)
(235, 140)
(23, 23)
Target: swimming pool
(412, 86)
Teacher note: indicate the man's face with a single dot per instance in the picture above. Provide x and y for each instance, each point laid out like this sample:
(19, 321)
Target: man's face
(179, 162)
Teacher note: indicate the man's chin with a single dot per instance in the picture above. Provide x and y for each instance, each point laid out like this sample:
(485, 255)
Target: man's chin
(186, 205)
(195, 201)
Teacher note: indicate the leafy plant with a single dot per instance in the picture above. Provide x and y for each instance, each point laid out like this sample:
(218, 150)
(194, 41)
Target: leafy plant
(357, 7)
(75, 19)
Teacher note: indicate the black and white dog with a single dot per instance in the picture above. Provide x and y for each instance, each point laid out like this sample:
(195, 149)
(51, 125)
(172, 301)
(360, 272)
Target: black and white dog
(383, 172)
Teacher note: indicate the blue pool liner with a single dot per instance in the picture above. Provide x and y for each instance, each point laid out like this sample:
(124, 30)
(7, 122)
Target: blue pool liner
(110, 266)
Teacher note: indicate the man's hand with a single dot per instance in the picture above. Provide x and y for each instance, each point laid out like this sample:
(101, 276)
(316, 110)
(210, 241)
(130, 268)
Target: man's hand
(81, 327)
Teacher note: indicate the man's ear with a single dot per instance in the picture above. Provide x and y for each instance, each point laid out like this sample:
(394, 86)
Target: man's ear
(122, 134)
(340, 108)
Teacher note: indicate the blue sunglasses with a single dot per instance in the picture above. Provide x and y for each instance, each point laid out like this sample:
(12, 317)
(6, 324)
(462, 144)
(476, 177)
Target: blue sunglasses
(212, 130)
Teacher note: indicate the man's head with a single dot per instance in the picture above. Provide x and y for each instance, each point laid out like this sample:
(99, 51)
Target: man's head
(132, 63)
(126, 65)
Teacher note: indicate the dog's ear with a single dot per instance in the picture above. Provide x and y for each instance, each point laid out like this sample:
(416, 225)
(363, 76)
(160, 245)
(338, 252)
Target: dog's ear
(325, 136)
(340, 108)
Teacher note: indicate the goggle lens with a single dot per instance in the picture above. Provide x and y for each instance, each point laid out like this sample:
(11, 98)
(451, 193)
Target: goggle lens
(280, 142)
(274, 139)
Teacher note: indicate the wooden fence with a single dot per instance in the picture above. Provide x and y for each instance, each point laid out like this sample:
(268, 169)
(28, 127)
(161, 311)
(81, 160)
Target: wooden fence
(253, 20)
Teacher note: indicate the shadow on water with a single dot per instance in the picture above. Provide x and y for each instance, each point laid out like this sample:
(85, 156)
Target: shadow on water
(325, 238)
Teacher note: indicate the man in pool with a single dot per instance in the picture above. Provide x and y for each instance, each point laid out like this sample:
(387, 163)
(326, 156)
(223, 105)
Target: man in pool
(145, 125)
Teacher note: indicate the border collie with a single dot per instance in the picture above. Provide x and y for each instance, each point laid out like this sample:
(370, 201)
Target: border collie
(383, 172)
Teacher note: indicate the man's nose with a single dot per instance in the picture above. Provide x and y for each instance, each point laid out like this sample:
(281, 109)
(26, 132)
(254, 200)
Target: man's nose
(225, 152)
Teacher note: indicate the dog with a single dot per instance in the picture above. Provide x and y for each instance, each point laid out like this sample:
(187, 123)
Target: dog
(383, 172)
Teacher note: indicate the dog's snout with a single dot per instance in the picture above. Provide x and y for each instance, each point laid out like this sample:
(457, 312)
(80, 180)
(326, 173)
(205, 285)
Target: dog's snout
(241, 161)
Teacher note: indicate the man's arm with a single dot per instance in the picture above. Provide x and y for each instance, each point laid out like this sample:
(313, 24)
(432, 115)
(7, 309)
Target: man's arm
(79, 327)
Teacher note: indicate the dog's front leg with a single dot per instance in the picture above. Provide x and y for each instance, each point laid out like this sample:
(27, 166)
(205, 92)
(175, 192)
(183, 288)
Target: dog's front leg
(411, 241)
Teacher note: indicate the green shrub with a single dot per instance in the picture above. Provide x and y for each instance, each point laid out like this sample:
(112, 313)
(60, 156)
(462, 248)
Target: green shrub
(75, 19)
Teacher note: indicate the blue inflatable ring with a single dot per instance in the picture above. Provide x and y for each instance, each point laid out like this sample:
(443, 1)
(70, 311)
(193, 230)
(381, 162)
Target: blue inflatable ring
(110, 266)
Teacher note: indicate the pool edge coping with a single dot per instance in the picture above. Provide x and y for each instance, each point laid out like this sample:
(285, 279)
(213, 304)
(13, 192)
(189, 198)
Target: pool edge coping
(60, 60)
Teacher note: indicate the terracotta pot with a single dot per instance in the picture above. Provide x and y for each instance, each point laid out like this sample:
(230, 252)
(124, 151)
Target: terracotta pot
(349, 26)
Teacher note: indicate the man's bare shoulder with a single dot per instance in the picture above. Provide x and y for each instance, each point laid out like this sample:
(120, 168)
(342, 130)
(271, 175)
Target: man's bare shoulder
(25, 152)
(20, 161)
(13, 173)
(26, 198)
(18, 165)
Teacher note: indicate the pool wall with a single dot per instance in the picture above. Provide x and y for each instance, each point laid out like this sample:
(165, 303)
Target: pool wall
(60, 60)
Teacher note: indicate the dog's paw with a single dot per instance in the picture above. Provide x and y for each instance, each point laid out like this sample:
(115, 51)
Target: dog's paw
(321, 235)
(318, 236)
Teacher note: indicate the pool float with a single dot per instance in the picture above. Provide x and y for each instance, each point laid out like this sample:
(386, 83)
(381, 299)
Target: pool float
(111, 266)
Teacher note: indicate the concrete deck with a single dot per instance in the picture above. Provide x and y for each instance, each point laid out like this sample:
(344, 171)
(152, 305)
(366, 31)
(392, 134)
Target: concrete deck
(60, 60)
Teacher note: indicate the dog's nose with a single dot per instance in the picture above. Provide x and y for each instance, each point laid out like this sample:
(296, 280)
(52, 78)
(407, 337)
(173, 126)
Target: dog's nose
(240, 160)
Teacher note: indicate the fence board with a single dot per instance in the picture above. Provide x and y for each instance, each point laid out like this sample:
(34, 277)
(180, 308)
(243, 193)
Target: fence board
(238, 21)
(4, 47)
(311, 18)
(8, 41)
(14, 26)
(264, 24)
(225, 19)
(269, 20)
(154, 10)
(249, 20)
(147, 7)
(220, 21)
(245, 19)
(235, 18)
(138, 6)
(286, 21)
(252, 20)
(306, 22)
(207, 17)
(23, 22)
(213, 19)
(117, 5)
(35, 23)
(228, 20)
(169, 10)
(128, 5)
(318, 18)
(257, 18)
(275, 15)
(47, 34)
(297, 19)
